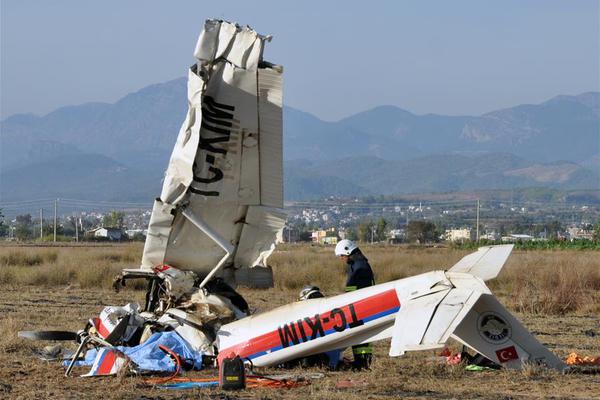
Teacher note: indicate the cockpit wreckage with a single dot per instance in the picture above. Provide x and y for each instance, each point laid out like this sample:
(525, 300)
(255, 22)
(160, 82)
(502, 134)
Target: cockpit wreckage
(213, 227)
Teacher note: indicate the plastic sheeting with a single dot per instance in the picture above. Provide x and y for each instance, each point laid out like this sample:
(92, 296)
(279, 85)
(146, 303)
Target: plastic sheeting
(149, 357)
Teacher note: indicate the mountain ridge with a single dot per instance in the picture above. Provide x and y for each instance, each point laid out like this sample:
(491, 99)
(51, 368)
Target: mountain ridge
(138, 131)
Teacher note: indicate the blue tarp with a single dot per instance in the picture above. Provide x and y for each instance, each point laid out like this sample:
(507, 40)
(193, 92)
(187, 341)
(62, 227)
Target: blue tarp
(147, 356)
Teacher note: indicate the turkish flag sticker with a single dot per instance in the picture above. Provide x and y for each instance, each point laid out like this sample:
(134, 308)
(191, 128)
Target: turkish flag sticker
(507, 354)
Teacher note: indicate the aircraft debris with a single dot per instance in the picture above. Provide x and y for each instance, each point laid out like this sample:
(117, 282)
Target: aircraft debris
(47, 335)
(217, 215)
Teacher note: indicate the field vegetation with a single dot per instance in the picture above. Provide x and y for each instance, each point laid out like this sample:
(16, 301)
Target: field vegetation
(556, 293)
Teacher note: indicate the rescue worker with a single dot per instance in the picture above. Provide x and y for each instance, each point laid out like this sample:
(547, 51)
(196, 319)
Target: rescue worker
(359, 275)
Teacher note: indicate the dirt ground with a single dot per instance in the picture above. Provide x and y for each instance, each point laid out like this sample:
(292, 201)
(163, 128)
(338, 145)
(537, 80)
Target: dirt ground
(32, 307)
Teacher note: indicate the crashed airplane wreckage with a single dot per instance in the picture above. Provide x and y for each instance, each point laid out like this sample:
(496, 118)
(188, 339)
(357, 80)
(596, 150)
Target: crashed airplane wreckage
(214, 225)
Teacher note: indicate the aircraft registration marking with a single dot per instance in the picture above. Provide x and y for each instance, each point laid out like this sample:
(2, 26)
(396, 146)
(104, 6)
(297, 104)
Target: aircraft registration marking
(309, 328)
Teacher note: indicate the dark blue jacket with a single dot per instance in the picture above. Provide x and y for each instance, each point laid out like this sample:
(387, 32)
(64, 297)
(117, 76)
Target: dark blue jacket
(359, 272)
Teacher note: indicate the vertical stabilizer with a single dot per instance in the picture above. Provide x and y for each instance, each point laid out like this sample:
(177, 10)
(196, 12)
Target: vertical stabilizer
(486, 263)
(226, 169)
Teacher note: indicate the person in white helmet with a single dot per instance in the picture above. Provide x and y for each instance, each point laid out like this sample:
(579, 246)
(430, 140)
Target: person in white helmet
(358, 275)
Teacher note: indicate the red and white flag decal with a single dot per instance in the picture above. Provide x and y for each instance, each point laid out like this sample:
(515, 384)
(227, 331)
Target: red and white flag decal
(107, 362)
(507, 354)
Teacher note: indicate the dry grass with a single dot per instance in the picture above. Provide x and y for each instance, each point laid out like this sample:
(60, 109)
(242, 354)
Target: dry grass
(551, 282)
(64, 293)
(10, 343)
(86, 267)
(20, 258)
(538, 282)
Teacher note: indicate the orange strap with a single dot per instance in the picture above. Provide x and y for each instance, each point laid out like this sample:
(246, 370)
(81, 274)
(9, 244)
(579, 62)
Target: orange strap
(176, 360)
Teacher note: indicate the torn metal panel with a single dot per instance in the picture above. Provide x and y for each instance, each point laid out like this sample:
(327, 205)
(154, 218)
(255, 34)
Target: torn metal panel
(256, 244)
(157, 238)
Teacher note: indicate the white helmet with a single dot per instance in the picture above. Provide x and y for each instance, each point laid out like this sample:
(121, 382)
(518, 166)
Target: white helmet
(310, 292)
(345, 247)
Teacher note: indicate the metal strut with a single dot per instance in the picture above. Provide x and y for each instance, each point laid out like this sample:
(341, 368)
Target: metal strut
(218, 239)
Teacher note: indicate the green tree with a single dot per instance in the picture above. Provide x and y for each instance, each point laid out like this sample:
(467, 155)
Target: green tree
(596, 234)
(305, 236)
(113, 219)
(24, 227)
(351, 234)
(422, 232)
(3, 225)
(380, 231)
(364, 231)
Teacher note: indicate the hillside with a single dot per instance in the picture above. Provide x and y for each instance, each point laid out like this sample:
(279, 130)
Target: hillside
(440, 173)
(384, 150)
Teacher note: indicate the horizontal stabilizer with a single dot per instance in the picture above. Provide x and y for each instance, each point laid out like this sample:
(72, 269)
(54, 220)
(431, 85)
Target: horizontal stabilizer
(491, 330)
(428, 321)
(486, 263)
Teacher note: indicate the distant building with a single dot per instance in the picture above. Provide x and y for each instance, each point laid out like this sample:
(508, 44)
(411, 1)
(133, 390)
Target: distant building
(515, 237)
(108, 233)
(493, 236)
(317, 236)
(329, 240)
(321, 237)
(396, 236)
(575, 233)
(133, 232)
(458, 235)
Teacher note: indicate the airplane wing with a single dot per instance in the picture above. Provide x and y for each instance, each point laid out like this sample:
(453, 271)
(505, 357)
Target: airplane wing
(486, 262)
(222, 196)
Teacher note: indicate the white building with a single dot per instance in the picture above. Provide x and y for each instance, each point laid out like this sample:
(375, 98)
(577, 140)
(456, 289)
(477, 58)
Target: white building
(132, 232)
(517, 237)
(458, 235)
(108, 233)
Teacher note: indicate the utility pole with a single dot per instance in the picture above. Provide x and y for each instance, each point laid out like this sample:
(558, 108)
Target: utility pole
(477, 229)
(76, 230)
(55, 209)
(41, 223)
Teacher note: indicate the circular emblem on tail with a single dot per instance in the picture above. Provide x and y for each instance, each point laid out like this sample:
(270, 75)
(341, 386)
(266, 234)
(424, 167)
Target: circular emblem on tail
(493, 328)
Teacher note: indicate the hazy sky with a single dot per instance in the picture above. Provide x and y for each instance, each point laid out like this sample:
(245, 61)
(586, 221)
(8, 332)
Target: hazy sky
(340, 57)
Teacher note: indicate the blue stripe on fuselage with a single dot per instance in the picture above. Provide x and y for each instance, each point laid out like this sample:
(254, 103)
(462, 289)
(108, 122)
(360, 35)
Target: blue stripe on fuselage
(290, 344)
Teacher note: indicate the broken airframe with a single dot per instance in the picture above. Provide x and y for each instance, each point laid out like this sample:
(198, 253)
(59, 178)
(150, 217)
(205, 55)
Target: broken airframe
(214, 225)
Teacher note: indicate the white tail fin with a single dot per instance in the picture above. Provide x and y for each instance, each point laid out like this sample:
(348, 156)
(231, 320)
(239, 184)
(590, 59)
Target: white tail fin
(486, 263)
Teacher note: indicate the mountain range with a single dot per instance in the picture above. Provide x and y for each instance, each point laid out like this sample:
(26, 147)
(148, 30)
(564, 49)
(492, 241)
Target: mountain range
(95, 150)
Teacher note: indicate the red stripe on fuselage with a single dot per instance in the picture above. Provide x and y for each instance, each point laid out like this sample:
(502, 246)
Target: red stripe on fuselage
(304, 329)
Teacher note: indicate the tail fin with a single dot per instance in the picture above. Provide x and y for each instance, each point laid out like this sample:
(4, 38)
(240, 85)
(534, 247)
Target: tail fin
(462, 307)
(486, 263)
(491, 330)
